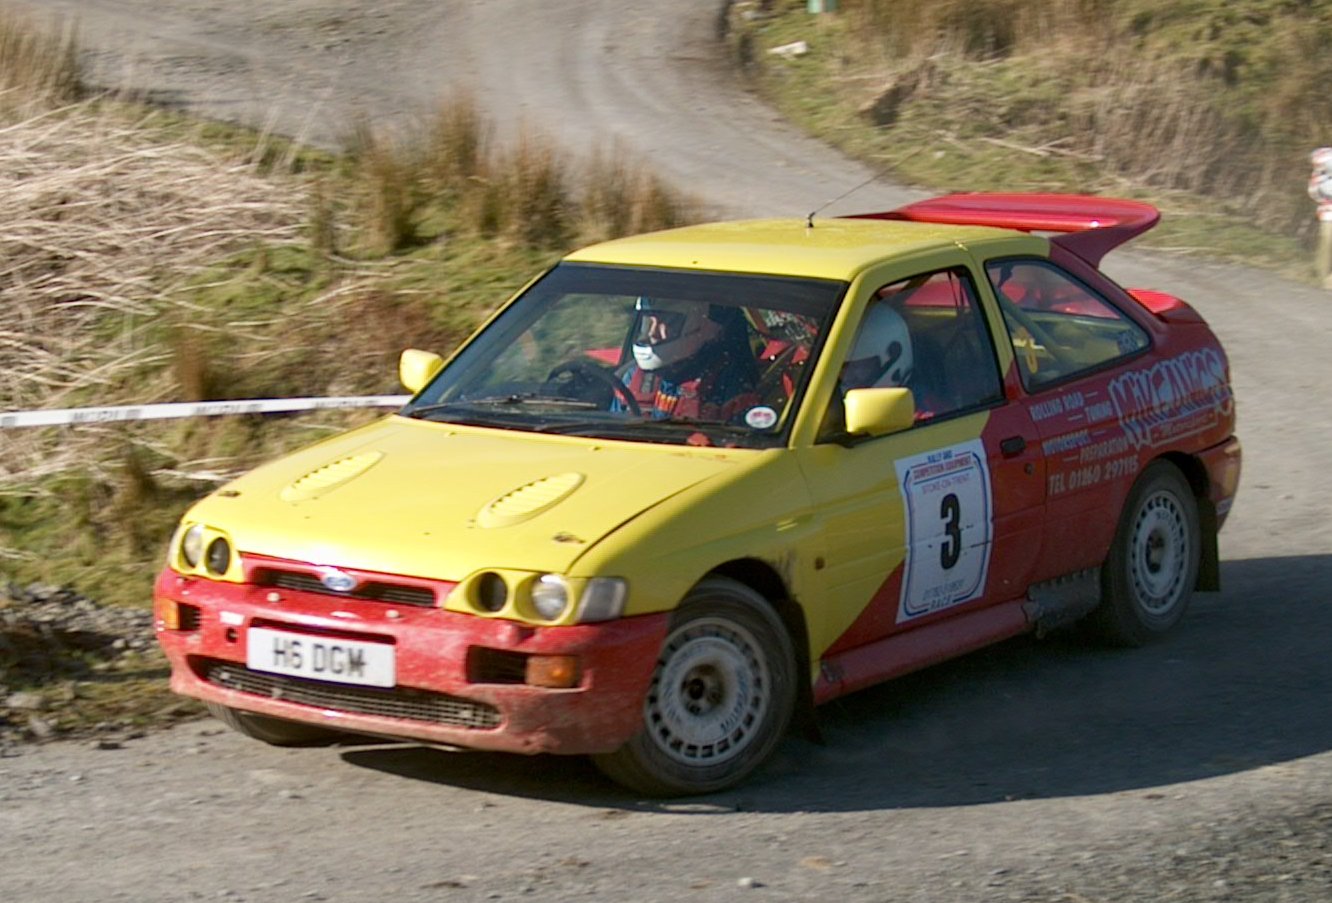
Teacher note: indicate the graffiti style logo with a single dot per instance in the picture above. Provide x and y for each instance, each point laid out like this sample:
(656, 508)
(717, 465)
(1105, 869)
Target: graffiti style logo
(1176, 397)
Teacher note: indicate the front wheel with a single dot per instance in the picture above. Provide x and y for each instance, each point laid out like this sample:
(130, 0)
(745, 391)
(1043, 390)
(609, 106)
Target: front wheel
(1150, 573)
(273, 731)
(720, 699)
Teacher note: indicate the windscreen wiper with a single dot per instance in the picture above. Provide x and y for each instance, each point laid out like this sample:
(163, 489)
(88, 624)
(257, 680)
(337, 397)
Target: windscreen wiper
(512, 399)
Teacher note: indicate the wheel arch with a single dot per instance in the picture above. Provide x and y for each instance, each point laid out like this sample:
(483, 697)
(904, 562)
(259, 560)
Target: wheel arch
(765, 580)
(1209, 564)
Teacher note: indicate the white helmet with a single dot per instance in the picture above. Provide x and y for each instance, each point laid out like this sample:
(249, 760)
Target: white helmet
(668, 332)
(882, 354)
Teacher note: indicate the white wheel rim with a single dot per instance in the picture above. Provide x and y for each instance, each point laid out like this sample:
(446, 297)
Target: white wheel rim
(709, 694)
(1159, 553)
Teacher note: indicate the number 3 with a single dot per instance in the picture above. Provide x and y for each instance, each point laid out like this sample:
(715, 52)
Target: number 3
(950, 509)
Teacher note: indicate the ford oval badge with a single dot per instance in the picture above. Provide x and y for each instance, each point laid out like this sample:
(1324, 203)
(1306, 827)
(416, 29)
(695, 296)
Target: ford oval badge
(337, 581)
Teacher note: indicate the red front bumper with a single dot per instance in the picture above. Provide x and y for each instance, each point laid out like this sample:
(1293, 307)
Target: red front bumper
(441, 696)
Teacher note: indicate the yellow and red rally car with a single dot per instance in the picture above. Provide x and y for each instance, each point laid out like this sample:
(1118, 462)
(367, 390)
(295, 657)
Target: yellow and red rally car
(689, 485)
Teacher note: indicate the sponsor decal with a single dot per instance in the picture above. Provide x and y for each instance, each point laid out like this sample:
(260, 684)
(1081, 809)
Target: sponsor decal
(1089, 475)
(760, 418)
(950, 528)
(1176, 397)
(1116, 445)
(1067, 442)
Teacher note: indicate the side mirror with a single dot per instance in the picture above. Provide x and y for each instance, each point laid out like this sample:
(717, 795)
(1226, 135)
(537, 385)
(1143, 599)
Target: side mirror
(878, 412)
(416, 368)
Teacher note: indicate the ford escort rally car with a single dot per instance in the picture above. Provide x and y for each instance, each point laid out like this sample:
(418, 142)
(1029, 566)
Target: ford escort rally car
(686, 486)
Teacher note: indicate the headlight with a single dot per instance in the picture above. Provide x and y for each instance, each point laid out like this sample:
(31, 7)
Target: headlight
(603, 599)
(550, 596)
(219, 556)
(191, 545)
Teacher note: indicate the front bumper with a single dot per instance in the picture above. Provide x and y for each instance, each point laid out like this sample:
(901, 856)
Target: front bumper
(459, 678)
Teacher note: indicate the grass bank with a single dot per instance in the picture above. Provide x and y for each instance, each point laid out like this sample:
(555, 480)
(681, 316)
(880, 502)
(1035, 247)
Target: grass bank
(1208, 108)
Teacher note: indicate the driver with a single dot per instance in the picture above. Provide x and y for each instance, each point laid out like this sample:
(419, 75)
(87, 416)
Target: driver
(692, 361)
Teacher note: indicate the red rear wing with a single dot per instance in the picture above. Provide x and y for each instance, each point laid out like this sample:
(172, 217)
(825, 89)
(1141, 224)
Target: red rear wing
(1092, 226)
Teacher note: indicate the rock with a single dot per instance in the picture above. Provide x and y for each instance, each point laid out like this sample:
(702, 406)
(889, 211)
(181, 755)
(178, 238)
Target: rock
(886, 106)
(41, 729)
(30, 702)
(794, 50)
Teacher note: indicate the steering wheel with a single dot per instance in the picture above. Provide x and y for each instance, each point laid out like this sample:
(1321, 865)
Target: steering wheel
(580, 369)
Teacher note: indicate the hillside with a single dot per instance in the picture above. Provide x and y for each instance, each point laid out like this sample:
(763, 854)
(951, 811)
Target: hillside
(1208, 107)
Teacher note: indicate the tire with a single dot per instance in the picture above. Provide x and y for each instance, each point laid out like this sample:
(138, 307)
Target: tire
(720, 700)
(1149, 575)
(273, 731)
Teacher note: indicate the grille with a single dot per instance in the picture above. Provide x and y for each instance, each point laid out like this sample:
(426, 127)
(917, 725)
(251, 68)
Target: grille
(414, 705)
(373, 592)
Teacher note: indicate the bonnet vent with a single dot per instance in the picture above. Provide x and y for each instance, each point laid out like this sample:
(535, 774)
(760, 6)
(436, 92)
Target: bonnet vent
(331, 475)
(528, 501)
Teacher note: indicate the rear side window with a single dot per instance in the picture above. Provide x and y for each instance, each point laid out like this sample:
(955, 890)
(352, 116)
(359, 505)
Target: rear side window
(1058, 325)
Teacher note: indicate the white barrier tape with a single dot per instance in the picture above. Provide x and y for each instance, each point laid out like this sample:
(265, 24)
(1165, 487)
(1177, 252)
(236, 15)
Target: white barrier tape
(68, 416)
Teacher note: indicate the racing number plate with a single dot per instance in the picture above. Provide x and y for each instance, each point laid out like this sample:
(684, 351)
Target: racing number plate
(321, 658)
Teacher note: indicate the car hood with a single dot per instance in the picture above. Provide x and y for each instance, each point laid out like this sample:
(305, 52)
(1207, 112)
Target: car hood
(441, 501)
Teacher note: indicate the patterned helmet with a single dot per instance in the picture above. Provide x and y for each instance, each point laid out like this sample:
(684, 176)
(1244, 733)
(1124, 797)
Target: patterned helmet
(668, 331)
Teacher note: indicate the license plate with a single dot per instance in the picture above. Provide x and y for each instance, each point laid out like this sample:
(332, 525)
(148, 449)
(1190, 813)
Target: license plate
(321, 658)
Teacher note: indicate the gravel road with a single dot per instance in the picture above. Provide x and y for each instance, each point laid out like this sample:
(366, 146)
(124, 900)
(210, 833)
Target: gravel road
(1196, 769)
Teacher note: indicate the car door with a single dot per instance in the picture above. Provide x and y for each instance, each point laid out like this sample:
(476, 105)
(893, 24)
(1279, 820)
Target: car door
(944, 517)
(1071, 343)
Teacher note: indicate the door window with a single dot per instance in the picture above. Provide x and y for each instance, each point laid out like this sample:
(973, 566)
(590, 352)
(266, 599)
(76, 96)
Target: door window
(1058, 325)
(927, 334)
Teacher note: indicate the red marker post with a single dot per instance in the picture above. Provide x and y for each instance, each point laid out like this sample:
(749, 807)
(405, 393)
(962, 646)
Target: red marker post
(1320, 190)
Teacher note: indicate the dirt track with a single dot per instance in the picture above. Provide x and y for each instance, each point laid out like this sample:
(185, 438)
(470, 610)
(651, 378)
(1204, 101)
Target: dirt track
(1197, 769)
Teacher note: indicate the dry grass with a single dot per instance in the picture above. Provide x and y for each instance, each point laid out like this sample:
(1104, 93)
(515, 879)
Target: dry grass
(622, 196)
(457, 142)
(387, 176)
(36, 65)
(531, 193)
(105, 227)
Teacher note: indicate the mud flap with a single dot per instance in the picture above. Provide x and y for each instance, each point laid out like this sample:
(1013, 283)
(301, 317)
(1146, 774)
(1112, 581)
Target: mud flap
(1209, 563)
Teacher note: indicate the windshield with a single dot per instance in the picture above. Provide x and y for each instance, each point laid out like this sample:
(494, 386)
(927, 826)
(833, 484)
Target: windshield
(661, 356)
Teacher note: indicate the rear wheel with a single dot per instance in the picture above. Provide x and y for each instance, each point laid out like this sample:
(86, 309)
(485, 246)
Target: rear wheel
(720, 699)
(1150, 573)
(273, 731)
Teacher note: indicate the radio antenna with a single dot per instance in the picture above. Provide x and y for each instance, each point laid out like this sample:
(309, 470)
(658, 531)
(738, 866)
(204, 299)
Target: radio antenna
(809, 220)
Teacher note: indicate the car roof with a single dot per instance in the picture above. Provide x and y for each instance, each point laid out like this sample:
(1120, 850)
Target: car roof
(830, 249)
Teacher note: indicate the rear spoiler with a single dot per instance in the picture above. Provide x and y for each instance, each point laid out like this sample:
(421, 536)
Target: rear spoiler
(1092, 226)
